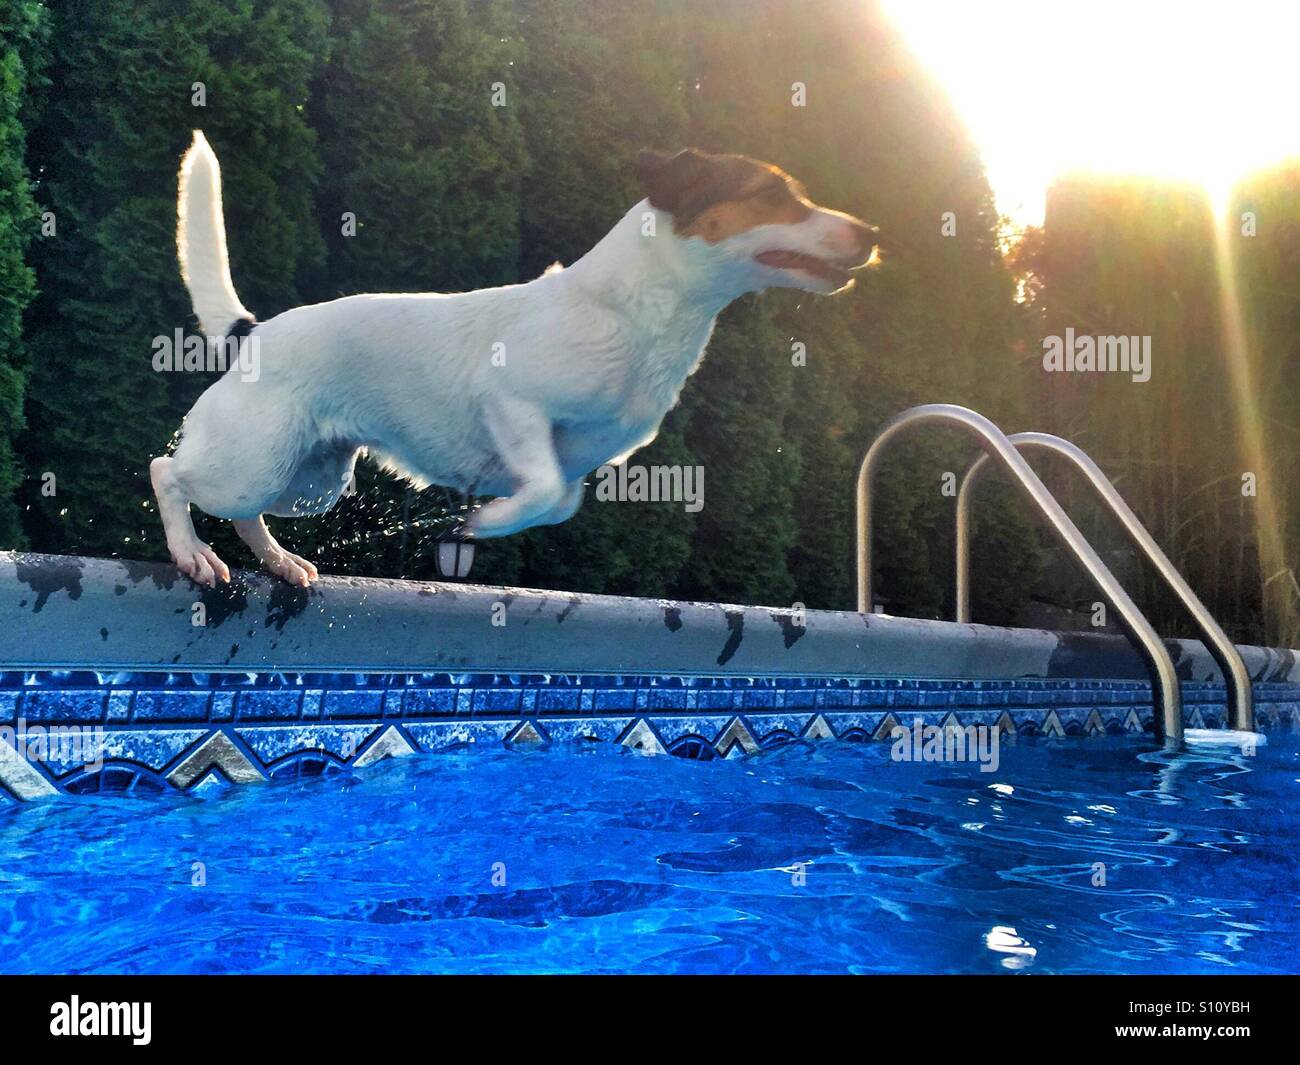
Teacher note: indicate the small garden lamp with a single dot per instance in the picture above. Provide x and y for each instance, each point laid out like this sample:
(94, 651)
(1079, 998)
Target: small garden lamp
(456, 544)
(455, 554)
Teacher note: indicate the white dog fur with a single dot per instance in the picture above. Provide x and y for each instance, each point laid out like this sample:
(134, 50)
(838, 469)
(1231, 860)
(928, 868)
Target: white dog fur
(588, 360)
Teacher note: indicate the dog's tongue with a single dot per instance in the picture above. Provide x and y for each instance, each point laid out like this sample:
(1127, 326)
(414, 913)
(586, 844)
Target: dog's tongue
(794, 260)
(783, 260)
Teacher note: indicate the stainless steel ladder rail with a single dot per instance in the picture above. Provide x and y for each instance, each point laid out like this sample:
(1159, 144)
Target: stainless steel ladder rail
(1241, 705)
(1164, 680)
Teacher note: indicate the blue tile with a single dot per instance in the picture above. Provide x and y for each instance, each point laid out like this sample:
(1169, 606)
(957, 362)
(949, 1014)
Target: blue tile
(610, 700)
(433, 736)
(119, 706)
(496, 701)
(347, 705)
(54, 705)
(223, 706)
(859, 721)
(558, 700)
(422, 702)
(800, 698)
(269, 704)
(272, 743)
(834, 699)
(667, 699)
(170, 706)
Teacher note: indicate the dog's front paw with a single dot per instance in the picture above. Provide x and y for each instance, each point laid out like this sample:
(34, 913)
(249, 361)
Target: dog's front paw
(290, 567)
(202, 565)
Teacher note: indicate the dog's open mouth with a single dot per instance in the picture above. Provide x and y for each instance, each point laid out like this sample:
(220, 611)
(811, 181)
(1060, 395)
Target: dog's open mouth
(836, 273)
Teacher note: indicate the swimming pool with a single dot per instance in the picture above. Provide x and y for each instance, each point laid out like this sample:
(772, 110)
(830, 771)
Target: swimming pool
(374, 776)
(590, 858)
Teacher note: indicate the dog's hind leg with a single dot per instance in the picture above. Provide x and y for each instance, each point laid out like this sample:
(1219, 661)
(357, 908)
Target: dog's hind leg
(192, 556)
(523, 437)
(323, 475)
(293, 568)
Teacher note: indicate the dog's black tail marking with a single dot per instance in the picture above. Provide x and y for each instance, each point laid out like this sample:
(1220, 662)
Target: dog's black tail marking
(201, 240)
(241, 327)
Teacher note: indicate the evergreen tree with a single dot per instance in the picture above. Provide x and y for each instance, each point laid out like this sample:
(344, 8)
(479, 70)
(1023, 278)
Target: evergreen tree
(421, 141)
(737, 405)
(132, 84)
(23, 45)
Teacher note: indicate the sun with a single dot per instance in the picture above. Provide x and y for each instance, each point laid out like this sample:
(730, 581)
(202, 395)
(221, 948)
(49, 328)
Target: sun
(1204, 92)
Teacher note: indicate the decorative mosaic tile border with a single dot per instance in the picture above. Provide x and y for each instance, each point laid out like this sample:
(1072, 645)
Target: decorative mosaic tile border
(197, 732)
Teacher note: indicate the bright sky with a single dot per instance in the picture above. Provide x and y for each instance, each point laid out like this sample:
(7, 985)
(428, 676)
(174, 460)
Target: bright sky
(1201, 90)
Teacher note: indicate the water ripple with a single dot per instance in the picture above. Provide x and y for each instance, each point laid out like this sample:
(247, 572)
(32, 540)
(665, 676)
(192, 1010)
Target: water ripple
(1077, 856)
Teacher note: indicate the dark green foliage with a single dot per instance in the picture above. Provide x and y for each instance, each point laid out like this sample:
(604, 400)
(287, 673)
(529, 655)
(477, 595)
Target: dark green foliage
(602, 79)
(737, 403)
(108, 146)
(23, 45)
(412, 144)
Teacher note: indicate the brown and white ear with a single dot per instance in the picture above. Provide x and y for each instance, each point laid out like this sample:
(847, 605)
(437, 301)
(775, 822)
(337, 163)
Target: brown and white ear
(673, 182)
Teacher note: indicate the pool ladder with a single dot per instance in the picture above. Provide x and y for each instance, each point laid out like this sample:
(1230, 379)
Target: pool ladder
(1005, 451)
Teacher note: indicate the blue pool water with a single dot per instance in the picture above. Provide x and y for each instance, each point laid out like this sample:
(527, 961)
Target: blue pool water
(616, 862)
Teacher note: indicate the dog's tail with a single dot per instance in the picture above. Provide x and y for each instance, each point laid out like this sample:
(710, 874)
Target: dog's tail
(201, 241)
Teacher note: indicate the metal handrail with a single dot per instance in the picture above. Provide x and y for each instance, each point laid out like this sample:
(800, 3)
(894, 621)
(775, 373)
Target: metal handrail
(1164, 680)
(1240, 697)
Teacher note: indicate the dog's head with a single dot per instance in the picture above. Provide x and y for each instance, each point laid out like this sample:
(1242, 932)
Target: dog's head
(754, 221)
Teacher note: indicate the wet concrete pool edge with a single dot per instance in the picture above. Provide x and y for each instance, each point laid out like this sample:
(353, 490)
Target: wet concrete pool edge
(119, 675)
